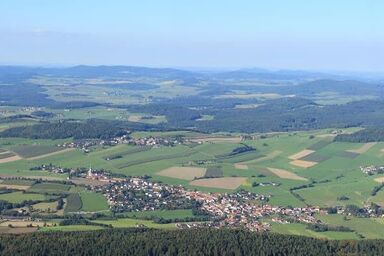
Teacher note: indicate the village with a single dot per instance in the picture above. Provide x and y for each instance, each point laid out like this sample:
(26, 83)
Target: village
(240, 209)
(233, 210)
(372, 169)
(80, 172)
(141, 194)
(86, 144)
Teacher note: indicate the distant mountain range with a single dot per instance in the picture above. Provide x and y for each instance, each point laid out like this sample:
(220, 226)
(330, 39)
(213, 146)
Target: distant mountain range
(84, 71)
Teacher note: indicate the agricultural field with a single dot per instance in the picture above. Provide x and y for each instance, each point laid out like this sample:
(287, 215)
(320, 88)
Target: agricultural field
(286, 174)
(18, 197)
(371, 228)
(166, 214)
(69, 228)
(93, 202)
(223, 183)
(73, 203)
(183, 173)
(300, 229)
(208, 164)
(35, 151)
(273, 152)
(47, 187)
(16, 184)
(131, 223)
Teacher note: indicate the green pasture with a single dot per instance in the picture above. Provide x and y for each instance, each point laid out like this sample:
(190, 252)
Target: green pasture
(18, 197)
(47, 187)
(370, 228)
(299, 229)
(28, 151)
(18, 182)
(165, 214)
(73, 203)
(93, 202)
(70, 228)
(130, 223)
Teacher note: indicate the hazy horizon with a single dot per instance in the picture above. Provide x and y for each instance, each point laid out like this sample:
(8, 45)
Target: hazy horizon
(343, 36)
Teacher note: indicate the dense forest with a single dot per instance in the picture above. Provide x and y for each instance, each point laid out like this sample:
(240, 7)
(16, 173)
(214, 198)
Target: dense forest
(288, 114)
(179, 242)
(370, 134)
(90, 129)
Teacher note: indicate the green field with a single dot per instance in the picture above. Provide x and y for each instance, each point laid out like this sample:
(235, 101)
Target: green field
(19, 182)
(165, 214)
(129, 223)
(300, 229)
(29, 151)
(6, 155)
(18, 197)
(70, 228)
(93, 202)
(272, 151)
(49, 188)
(370, 228)
(334, 175)
(73, 203)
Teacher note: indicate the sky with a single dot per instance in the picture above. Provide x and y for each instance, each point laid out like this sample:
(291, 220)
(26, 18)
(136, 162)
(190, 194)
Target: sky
(296, 34)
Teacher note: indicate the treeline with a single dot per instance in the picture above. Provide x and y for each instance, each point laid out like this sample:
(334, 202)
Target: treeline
(370, 134)
(242, 149)
(79, 220)
(317, 227)
(90, 129)
(6, 207)
(179, 242)
(237, 151)
(376, 189)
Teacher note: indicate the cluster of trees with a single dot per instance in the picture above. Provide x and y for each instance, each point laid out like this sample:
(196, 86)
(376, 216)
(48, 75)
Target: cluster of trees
(364, 212)
(179, 242)
(60, 204)
(317, 227)
(237, 151)
(6, 207)
(354, 210)
(42, 114)
(377, 189)
(342, 198)
(79, 220)
(242, 149)
(370, 134)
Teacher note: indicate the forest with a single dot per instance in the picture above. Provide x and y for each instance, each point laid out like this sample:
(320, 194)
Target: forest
(370, 134)
(142, 241)
(90, 129)
(288, 114)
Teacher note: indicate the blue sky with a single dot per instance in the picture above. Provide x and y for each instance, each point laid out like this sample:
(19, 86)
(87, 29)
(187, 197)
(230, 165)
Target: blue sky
(294, 34)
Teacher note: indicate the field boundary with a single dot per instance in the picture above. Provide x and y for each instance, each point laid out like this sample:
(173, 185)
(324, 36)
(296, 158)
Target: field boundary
(284, 174)
(50, 154)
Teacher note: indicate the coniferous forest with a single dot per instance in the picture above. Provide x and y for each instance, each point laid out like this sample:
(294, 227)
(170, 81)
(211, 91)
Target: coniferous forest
(179, 242)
